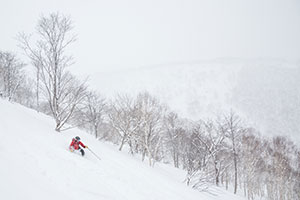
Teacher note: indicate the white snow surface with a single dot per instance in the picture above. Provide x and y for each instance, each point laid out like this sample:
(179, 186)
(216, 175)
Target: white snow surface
(36, 164)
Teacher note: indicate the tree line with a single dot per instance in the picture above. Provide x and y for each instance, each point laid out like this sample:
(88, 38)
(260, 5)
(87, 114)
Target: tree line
(224, 151)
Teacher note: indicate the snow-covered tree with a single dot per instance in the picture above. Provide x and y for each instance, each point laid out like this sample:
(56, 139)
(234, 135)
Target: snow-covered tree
(253, 163)
(92, 114)
(95, 111)
(122, 118)
(211, 158)
(61, 90)
(174, 136)
(11, 75)
(150, 115)
(232, 129)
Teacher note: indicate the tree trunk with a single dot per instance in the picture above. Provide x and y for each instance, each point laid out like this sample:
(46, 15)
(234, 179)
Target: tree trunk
(217, 174)
(226, 180)
(235, 173)
(122, 143)
(96, 130)
(58, 127)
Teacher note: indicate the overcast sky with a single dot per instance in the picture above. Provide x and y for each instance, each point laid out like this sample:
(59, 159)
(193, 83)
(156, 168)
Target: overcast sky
(118, 34)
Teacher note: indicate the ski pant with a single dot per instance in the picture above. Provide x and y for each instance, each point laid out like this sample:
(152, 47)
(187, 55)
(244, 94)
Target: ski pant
(81, 151)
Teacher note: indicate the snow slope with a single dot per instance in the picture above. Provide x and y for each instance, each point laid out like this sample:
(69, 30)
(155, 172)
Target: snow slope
(36, 164)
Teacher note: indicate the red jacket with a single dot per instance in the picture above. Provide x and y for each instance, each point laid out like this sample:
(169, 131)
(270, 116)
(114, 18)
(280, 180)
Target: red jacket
(75, 144)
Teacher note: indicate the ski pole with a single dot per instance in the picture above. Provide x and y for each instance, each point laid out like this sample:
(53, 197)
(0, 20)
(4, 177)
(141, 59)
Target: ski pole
(94, 153)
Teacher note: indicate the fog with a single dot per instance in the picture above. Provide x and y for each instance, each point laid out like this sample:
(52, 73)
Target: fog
(169, 46)
(264, 93)
(121, 34)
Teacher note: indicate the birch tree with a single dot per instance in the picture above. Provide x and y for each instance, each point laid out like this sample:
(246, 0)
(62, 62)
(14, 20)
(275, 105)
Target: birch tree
(232, 129)
(122, 118)
(211, 158)
(60, 88)
(150, 130)
(11, 76)
(174, 136)
(93, 113)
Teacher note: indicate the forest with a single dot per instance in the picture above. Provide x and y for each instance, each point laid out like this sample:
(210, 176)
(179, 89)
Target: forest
(224, 151)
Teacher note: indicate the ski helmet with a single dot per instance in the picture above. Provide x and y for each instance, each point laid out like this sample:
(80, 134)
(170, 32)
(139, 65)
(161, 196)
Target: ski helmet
(77, 138)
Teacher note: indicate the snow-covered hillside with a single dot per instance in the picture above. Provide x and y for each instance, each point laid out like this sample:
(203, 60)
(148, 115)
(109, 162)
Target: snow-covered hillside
(265, 92)
(36, 164)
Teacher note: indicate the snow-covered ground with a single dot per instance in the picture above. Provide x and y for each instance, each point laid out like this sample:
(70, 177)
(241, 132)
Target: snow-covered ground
(36, 164)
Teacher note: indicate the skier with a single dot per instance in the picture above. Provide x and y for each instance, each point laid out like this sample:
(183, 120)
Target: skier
(75, 145)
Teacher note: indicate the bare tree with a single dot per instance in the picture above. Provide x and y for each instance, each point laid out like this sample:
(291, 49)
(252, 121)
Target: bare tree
(252, 163)
(62, 91)
(150, 130)
(122, 118)
(174, 136)
(93, 112)
(211, 155)
(25, 94)
(197, 159)
(280, 171)
(11, 76)
(232, 128)
(214, 145)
